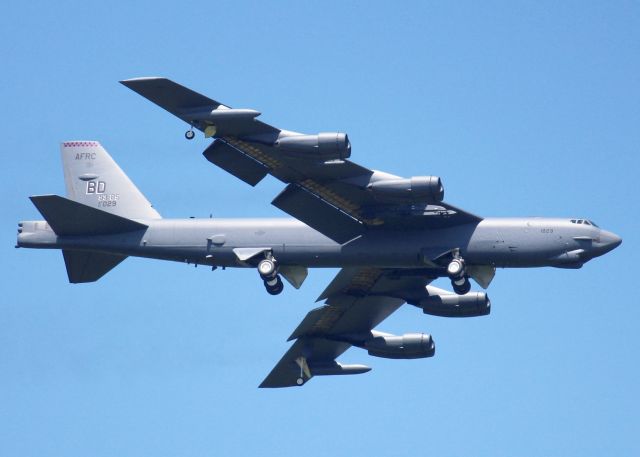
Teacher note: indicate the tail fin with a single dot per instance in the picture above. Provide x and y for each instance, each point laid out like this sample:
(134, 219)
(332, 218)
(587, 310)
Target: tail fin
(94, 179)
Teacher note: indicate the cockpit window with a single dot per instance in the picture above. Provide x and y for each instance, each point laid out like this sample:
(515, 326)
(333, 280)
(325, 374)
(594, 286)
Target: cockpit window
(583, 221)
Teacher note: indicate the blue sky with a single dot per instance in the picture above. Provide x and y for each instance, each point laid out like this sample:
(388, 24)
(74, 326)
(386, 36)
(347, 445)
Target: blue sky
(523, 108)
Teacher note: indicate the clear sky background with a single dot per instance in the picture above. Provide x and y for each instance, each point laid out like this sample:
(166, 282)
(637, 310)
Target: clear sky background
(523, 108)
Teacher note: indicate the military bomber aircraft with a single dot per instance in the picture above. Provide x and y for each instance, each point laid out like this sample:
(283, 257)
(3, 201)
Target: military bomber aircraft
(391, 236)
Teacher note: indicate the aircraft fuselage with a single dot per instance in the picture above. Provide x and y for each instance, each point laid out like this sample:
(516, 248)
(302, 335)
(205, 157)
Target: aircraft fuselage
(501, 242)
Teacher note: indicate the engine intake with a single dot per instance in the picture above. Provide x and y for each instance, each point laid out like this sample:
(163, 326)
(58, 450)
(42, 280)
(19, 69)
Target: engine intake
(472, 304)
(323, 146)
(407, 346)
(417, 188)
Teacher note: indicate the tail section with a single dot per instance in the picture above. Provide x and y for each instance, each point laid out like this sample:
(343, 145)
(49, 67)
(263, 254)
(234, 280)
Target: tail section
(94, 179)
(69, 218)
(102, 200)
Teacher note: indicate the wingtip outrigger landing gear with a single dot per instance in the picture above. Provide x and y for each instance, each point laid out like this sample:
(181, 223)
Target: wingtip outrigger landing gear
(457, 273)
(268, 270)
(304, 370)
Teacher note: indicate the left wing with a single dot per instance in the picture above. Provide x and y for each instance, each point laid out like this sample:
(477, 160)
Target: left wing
(357, 300)
(325, 190)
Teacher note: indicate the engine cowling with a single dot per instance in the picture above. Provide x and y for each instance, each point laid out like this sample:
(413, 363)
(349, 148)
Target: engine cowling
(417, 188)
(472, 304)
(407, 346)
(323, 146)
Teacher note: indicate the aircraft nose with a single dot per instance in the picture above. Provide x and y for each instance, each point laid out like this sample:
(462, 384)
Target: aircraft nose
(608, 241)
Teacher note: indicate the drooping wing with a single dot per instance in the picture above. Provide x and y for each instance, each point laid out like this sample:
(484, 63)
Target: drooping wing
(331, 196)
(195, 108)
(357, 300)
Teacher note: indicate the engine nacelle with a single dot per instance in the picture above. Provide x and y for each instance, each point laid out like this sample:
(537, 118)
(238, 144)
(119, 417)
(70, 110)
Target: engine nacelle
(417, 188)
(407, 346)
(323, 146)
(472, 304)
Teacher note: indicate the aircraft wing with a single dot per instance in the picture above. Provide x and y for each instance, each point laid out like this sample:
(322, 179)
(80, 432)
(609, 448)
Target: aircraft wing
(325, 190)
(357, 300)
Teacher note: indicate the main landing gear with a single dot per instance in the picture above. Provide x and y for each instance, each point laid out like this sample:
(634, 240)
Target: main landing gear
(268, 270)
(189, 134)
(457, 273)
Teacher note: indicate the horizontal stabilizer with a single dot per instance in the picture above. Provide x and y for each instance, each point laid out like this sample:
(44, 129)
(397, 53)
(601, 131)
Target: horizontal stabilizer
(89, 266)
(68, 218)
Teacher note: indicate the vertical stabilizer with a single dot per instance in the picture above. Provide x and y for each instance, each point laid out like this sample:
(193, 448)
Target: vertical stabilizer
(94, 179)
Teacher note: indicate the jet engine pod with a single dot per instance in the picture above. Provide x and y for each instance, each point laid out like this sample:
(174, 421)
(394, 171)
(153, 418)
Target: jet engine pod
(407, 346)
(417, 188)
(472, 304)
(323, 146)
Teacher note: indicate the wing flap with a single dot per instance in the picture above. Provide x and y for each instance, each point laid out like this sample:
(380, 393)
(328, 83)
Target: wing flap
(235, 162)
(318, 214)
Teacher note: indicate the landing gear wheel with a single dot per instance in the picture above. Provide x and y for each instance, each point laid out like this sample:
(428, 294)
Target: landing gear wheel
(189, 134)
(267, 268)
(462, 286)
(299, 381)
(274, 286)
(455, 269)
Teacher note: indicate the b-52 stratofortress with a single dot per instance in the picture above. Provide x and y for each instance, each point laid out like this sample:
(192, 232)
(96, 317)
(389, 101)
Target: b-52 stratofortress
(391, 236)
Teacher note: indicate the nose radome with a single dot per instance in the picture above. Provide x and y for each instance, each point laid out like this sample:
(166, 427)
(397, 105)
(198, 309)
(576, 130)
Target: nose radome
(609, 240)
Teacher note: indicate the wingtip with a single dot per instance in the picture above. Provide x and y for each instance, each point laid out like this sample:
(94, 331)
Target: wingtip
(131, 81)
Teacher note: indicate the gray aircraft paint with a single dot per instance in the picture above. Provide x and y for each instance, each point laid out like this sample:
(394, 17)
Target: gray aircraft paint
(512, 242)
(390, 235)
(501, 242)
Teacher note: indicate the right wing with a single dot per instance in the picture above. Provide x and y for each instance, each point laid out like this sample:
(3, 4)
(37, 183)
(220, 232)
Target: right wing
(357, 300)
(331, 194)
